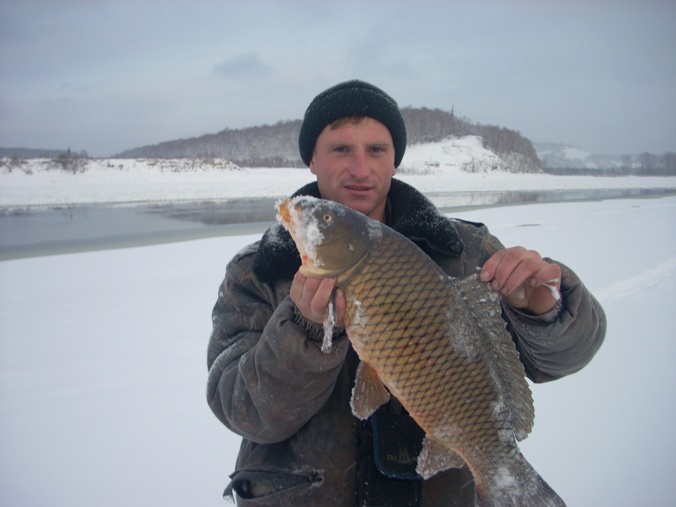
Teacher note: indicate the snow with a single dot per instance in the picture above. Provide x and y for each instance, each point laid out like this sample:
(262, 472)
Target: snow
(575, 153)
(103, 354)
(464, 153)
(329, 325)
(302, 226)
(432, 167)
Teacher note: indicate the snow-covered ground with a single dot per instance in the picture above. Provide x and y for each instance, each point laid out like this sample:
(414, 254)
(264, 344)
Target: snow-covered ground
(103, 354)
(453, 165)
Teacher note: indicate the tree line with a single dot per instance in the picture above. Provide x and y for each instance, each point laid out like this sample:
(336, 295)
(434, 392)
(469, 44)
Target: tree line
(277, 145)
(644, 164)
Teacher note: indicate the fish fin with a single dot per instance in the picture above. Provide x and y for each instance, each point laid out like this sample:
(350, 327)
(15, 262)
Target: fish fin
(518, 486)
(484, 304)
(435, 457)
(369, 393)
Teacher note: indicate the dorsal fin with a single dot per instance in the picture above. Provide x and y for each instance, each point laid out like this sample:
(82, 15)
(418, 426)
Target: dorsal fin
(484, 305)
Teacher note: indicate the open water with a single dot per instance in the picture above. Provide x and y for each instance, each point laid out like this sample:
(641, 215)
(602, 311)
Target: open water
(34, 232)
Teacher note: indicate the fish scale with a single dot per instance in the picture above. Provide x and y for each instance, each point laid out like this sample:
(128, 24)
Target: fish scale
(420, 379)
(431, 389)
(439, 345)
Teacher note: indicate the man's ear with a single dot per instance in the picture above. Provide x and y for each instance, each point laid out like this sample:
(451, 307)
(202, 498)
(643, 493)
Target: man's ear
(313, 166)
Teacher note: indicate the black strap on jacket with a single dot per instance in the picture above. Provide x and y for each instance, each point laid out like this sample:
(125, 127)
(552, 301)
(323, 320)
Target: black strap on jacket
(388, 445)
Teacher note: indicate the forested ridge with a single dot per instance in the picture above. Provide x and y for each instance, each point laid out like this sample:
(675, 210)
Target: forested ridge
(277, 145)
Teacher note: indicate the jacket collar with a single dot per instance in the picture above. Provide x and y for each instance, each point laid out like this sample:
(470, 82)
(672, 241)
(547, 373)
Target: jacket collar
(408, 212)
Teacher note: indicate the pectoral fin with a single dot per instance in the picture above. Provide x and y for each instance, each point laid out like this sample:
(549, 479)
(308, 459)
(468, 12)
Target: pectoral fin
(435, 457)
(369, 393)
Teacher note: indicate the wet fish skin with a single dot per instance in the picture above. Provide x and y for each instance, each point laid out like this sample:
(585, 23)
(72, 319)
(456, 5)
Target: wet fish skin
(439, 345)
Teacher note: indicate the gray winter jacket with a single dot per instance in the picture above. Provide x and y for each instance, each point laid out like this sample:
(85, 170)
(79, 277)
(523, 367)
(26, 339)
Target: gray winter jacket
(270, 383)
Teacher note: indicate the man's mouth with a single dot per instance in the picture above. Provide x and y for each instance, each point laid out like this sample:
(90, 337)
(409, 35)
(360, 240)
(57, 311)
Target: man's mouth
(358, 188)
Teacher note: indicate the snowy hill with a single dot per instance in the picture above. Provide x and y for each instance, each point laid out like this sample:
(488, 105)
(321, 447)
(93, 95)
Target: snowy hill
(557, 155)
(467, 154)
(277, 145)
(453, 165)
(463, 153)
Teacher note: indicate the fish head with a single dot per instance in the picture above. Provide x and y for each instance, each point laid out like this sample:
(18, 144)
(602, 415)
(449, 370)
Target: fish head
(331, 238)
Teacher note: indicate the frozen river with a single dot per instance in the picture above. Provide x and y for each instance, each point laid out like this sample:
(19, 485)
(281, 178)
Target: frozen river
(33, 232)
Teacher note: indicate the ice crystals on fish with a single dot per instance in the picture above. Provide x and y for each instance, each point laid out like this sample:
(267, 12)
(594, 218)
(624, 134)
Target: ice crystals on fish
(437, 344)
(329, 324)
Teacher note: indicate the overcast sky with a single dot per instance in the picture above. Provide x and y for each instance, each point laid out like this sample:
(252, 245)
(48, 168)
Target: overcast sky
(105, 76)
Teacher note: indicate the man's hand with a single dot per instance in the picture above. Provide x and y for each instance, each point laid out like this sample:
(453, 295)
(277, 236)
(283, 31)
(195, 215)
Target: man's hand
(524, 279)
(312, 297)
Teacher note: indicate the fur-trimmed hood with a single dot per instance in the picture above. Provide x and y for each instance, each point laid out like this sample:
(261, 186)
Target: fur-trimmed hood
(408, 212)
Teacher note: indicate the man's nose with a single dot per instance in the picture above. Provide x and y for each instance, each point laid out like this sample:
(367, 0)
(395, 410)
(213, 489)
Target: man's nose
(359, 165)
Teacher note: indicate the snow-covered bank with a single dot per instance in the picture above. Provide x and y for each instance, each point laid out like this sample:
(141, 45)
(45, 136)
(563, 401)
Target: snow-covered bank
(103, 367)
(430, 168)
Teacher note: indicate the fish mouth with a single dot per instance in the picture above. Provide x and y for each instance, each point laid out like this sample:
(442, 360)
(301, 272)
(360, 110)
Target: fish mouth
(283, 213)
(288, 220)
(318, 253)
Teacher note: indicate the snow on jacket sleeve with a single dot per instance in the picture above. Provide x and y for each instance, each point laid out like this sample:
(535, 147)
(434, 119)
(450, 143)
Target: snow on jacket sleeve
(267, 374)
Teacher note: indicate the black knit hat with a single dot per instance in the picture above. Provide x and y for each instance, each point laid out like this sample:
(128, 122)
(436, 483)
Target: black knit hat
(351, 98)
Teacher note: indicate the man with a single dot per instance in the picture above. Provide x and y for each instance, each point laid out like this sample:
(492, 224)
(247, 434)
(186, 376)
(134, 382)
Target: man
(270, 382)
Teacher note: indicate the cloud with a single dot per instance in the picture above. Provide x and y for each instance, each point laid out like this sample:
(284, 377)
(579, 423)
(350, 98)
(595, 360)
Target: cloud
(175, 71)
(242, 66)
(58, 103)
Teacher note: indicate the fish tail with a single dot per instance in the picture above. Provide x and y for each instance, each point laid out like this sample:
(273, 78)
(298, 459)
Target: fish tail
(524, 489)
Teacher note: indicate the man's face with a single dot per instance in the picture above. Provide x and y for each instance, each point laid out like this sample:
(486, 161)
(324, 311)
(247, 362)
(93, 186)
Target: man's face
(354, 165)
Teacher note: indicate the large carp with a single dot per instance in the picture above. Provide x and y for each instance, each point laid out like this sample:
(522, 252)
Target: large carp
(438, 344)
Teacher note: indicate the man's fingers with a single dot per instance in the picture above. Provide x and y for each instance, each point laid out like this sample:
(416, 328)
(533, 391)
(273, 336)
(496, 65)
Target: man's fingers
(321, 295)
(524, 278)
(499, 264)
(311, 296)
(521, 273)
(508, 269)
(340, 303)
(550, 274)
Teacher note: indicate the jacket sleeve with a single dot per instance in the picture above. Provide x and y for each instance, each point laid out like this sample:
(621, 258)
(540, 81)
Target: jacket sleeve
(267, 373)
(563, 340)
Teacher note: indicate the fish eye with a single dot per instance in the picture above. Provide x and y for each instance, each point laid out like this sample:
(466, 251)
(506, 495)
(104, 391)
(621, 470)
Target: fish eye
(328, 218)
